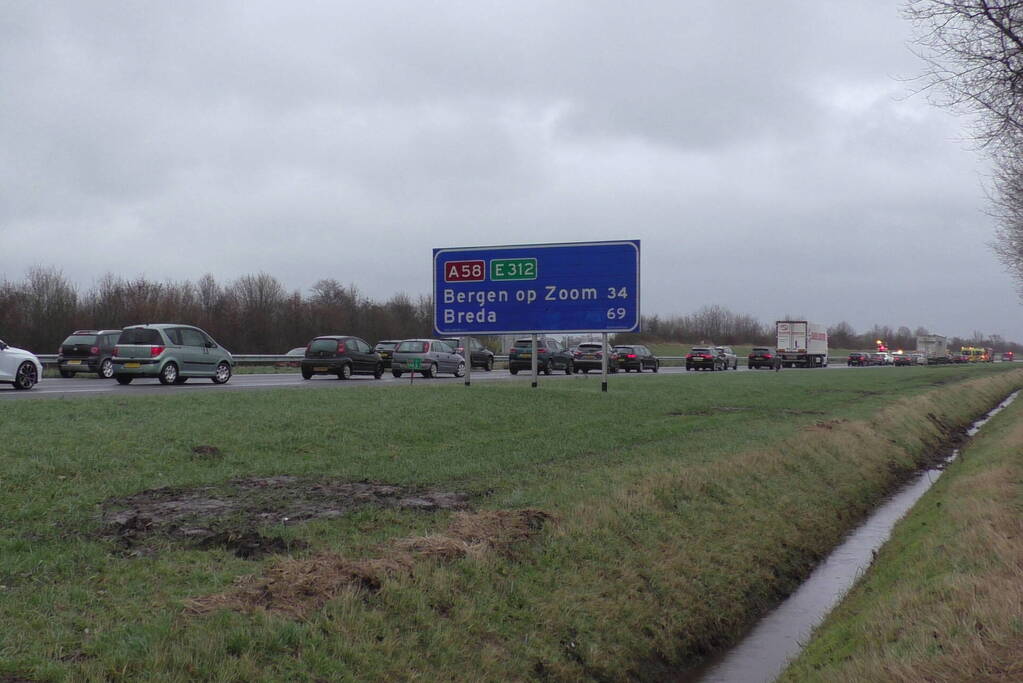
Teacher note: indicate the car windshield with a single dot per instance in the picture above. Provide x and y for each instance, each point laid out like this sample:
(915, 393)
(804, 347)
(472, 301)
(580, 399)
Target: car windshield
(589, 347)
(623, 349)
(413, 346)
(81, 339)
(525, 343)
(386, 346)
(140, 335)
(760, 349)
(700, 349)
(297, 351)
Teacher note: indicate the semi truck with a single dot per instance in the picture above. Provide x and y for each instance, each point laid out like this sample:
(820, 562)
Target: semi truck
(934, 347)
(802, 344)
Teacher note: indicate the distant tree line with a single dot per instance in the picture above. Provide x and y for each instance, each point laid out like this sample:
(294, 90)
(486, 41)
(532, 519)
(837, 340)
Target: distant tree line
(252, 314)
(257, 314)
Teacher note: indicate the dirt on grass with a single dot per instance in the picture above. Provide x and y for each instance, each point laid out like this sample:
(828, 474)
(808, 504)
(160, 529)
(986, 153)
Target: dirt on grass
(295, 587)
(227, 515)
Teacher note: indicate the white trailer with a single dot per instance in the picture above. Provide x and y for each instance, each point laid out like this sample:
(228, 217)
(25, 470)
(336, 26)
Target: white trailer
(933, 346)
(802, 344)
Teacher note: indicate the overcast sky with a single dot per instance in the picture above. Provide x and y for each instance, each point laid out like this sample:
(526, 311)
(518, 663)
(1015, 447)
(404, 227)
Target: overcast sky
(769, 155)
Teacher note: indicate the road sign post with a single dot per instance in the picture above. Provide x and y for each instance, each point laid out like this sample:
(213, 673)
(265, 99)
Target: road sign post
(582, 287)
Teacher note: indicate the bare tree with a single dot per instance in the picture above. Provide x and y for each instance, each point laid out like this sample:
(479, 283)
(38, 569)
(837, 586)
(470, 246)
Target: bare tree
(974, 55)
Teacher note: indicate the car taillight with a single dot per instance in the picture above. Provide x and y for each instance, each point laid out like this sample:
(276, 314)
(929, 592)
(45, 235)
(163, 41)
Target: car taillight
(541, 350)
(767, 355)
(94, 350)
(340, 347)
(576, 354)
(689, 356)
(426, 347)
(706, 356)
(631, 355)
(117, 351)
(155, 351)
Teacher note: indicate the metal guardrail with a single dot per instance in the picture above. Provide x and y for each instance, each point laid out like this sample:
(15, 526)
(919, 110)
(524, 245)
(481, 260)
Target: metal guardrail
(268, 358)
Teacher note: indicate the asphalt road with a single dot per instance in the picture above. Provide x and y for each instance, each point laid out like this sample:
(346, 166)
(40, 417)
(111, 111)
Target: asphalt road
(90, 385)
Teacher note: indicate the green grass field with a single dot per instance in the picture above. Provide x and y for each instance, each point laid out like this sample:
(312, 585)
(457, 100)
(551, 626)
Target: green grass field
(646, 526)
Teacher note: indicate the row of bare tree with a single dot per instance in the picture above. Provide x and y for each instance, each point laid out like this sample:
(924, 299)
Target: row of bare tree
(253, 314)
(257, 314)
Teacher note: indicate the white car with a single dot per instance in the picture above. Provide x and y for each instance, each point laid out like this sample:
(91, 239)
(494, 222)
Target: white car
(19, 367)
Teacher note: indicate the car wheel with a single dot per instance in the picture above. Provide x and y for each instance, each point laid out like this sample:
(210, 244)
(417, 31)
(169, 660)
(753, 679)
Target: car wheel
(66, 373)
(513, 371)
(378, 371)
(307, 374)
(106, 369)
(345, 372)
(460, 370)
(123, 379)
(547, 369)
(569, 368)
(26, 376)
(429, 371)
(169, 373)
(396, 373)
(223, 373)
(490, 364)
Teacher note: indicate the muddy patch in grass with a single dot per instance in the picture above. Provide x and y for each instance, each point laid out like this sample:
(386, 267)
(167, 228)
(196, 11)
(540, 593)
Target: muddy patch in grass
(226, 515)
(295, 587)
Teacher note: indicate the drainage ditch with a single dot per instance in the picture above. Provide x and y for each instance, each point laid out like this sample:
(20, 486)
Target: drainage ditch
(779, 637)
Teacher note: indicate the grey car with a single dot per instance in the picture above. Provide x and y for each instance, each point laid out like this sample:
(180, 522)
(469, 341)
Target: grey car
(430, 355)
(171, 353)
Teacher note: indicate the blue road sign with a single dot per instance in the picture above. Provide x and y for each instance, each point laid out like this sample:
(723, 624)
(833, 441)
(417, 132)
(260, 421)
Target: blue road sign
(576, 287)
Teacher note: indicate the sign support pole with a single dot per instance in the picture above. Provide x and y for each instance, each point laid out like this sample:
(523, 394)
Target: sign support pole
(468, 361)
(534, 364)
(603, 365)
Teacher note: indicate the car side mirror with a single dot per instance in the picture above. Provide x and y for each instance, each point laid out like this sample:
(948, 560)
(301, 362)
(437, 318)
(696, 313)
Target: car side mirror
(3, 346)
(210, 345)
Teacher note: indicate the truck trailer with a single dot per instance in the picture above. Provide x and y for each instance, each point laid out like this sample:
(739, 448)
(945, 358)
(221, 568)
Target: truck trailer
(934, 347)
(802, 344)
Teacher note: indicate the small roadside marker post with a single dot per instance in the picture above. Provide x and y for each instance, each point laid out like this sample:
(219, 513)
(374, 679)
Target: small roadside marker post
(603, 365)
(467, 350)
(533, 361)
(413, 365)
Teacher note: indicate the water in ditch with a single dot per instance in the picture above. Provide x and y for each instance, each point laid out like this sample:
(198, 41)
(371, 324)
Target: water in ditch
(763, 654)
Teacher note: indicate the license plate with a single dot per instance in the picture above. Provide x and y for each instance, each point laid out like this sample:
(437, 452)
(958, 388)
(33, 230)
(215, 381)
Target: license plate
(590, 356)
(525, 355)
(74, 362)
(320, 369)
(385, 355)
(133, 365)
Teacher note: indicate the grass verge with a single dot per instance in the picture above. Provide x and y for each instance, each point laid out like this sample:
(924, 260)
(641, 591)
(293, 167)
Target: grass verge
(943, 601)
(675, 510)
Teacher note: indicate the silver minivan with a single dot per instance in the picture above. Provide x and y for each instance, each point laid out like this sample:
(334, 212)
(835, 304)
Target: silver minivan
(172, 353)
(426, 356)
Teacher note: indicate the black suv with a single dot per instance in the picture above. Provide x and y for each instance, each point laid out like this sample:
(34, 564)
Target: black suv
(482, 357)
(636, 358)
(88, 351)
(341, 355)
(704, 357)
(550, 356)
(761, 357)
